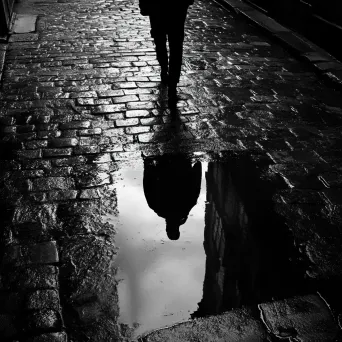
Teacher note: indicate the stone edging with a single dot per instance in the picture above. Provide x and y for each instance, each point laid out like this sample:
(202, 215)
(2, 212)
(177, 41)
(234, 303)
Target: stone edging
(3, 48)
(281, 319)
(324, 64)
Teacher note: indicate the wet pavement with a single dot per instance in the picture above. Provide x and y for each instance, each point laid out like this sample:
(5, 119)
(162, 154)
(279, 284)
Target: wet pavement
(83, 255)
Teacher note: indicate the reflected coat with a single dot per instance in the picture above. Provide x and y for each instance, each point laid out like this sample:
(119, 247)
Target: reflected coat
(172, 187)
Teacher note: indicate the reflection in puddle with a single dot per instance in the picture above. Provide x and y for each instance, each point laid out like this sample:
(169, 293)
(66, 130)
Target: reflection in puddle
(172, 184)
(233, 254)
(161, 281)
(245, 259)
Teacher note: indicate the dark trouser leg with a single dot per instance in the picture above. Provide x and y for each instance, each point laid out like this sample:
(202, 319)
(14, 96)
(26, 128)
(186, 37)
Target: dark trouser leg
(158, 33)
(176, 38)
(161, 52)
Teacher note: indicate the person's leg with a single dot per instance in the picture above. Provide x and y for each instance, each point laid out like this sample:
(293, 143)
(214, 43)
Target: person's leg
(176, 38)
(158, 33)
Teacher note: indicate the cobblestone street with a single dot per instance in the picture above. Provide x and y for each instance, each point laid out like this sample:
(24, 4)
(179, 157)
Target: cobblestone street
(81, 98)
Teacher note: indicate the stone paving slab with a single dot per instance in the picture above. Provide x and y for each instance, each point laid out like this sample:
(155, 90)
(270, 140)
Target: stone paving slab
(305, 318)
(237, 325)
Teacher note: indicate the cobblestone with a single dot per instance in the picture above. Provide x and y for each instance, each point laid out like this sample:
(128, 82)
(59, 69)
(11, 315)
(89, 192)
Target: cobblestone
(62, 195)
(111, 93)
(102, 158)
(51, 183)
(30, 154)
(91, 132)
(64, 142)
(136, 130)
(43, 253)
(140, 105)
(36, 144)
(286, 320)
(85, 102)
(68, 161)
(42, 320)
(71, 133)
(136, 113)
(126, 122)
(90, 194)
(109, 109)
(146, 137)
(42, 299)
(150, 121)
(51, 337)
(33, 277)
(87, 149)
(124, 99)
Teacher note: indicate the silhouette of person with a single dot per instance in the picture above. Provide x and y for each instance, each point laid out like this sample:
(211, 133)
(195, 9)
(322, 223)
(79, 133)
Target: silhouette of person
(172, 186)
(167, 19)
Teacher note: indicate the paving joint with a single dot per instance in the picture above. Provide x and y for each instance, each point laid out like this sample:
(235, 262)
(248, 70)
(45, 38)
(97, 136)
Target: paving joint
(328, 67)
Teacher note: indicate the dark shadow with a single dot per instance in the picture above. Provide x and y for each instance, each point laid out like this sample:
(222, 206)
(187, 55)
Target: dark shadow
(171, 134)
(172, 185)
(248, 248)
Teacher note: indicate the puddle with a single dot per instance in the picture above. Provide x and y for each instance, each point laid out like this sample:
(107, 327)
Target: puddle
(231, 251)
(160, 280)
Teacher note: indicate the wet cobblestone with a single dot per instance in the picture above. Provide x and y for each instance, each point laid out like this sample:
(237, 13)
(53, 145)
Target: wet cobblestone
(82, 94)
(284, 320)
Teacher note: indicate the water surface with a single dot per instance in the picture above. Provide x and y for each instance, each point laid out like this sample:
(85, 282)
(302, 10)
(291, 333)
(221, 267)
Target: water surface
(160, 280)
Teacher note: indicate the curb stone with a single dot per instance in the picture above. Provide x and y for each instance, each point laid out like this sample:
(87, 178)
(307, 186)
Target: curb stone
(288, 318)
(306, 318)
(4, 45)
(235, 325)
(324, 64)
(3, 48)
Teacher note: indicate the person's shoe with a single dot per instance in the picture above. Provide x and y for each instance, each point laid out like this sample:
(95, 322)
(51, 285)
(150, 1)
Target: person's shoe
(172, 94)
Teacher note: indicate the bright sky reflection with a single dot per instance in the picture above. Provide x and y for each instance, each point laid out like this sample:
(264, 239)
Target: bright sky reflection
(161, 280)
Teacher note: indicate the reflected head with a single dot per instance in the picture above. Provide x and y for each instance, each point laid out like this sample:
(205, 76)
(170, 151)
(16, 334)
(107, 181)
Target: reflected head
(172, 229)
